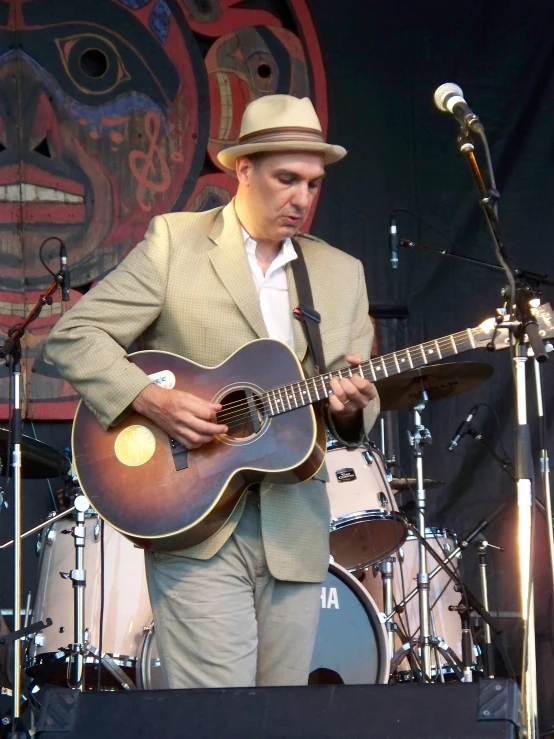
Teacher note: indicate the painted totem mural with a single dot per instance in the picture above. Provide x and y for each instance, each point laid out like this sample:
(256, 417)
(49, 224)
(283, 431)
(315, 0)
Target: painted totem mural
(112, 112)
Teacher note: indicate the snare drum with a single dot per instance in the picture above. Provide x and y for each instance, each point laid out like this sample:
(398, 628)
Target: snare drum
(350, 646)
(445, 625)
(126, 604)
(365, 524)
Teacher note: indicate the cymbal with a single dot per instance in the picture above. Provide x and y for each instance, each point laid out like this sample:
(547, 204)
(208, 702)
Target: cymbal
(38, 460)
(439, 380)
(400, 484)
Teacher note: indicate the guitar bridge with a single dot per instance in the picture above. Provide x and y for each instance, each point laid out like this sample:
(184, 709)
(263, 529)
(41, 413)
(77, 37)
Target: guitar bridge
(180, 454)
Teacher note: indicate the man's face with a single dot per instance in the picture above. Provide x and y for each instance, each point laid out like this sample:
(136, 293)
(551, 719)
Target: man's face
(279, 192)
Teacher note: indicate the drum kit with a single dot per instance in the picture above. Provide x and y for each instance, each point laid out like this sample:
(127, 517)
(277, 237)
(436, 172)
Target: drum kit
(392, 606)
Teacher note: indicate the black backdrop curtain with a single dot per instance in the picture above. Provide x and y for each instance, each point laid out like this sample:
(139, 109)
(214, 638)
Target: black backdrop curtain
(383, 62)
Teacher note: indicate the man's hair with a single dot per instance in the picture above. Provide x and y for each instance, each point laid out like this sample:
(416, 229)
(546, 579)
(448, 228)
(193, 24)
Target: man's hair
(257, 158)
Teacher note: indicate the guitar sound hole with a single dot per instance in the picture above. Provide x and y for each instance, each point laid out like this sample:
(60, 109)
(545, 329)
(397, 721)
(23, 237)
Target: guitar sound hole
(243, 412)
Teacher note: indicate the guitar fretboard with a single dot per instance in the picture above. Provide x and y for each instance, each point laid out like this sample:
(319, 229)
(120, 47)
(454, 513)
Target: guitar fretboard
(288, 397)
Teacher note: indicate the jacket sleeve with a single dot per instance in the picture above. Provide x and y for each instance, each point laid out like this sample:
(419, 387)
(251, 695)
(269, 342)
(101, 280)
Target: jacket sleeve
(361, 342)
(89, 344)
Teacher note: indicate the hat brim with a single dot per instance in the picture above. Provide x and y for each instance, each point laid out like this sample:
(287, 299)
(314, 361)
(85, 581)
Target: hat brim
(331, 152)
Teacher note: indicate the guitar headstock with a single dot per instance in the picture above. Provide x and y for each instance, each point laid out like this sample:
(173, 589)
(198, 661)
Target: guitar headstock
(483, 334)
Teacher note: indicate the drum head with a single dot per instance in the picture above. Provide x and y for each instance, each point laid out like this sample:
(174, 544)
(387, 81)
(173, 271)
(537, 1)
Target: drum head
(360, 540)
(351, 643)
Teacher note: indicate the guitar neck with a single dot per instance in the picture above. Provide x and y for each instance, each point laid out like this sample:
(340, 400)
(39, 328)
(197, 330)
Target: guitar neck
(288, 397)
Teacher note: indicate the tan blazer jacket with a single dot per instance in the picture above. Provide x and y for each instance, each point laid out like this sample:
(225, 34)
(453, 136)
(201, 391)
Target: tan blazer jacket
(187, 288)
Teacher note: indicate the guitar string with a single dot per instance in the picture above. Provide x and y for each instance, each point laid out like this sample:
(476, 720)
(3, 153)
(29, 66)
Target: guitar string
(368, 364)
(227, 414)
(385, 359)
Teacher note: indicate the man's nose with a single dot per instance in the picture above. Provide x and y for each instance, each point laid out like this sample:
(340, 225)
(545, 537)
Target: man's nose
(301, 198)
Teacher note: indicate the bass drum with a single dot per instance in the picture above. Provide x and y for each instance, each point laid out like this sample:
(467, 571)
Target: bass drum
(350, 646)
(365, 524)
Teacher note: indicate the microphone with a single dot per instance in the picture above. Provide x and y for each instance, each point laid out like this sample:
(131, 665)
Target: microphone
(64, 272)
(393, 242)
(449, 98)
(462, 429)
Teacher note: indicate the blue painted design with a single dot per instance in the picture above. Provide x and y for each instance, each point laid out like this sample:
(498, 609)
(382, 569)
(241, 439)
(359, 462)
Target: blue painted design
(159, 20)
(135, 4)
(125, 104)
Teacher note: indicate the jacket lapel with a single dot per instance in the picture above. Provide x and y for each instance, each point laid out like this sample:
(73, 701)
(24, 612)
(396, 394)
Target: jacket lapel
(231, 264)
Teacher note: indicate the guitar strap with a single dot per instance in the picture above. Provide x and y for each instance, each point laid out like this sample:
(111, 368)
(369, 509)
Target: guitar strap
(305, 312)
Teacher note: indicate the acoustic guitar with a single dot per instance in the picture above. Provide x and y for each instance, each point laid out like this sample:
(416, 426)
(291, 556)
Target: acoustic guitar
(165, 497)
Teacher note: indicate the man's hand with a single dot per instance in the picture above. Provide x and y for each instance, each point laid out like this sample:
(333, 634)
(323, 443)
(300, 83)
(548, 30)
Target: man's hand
(188, 419)
(351, 394)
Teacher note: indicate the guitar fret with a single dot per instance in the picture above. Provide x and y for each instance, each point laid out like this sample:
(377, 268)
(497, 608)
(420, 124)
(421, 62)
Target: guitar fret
(315, 389)
(270, 406)
(438, 349)
(471, 339)
(372, 371)
(287, 396)
(453, 341)
(396, 363)
(423, 353)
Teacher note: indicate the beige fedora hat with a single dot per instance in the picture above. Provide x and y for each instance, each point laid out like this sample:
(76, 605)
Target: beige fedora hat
(275, 123)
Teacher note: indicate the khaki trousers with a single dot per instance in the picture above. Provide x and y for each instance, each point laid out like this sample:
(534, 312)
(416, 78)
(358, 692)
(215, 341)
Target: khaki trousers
(226, 621)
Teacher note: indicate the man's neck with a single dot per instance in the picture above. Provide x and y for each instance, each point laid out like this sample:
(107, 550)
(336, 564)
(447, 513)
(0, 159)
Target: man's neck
(266, 250)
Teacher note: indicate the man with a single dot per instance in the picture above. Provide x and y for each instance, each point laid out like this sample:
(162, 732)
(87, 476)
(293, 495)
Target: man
(242, 607)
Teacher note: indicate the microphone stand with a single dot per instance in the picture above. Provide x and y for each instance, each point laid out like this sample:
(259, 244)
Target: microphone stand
(11, 353)
(523, 322)
(523, 274)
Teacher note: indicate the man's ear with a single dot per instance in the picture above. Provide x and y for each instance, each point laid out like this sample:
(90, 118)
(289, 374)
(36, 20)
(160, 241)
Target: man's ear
(243, 169)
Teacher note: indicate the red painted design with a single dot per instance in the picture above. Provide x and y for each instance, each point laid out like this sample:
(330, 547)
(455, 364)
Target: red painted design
(116, 157)
(152, 162)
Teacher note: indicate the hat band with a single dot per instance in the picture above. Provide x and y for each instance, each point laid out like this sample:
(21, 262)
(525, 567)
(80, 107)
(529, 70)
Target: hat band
(271, 135)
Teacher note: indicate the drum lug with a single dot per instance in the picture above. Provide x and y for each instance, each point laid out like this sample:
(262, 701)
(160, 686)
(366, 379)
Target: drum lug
(368, 456)
(38, 639)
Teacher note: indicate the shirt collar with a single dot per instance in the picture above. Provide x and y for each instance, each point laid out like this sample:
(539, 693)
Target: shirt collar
(285, 255)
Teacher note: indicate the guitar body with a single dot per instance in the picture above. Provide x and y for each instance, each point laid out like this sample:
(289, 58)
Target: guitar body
(166, 498)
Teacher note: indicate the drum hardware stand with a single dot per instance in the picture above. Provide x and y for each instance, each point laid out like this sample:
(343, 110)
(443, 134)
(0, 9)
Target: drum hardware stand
(467, 642)
(481, 546)
(385, 568)
(418, 439)
(77, 650)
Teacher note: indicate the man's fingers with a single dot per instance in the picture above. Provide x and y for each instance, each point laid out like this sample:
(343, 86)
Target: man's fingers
(206, 428)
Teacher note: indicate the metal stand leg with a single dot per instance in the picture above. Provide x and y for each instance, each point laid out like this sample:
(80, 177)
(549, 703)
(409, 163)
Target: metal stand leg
(525, 500)
(16, 462)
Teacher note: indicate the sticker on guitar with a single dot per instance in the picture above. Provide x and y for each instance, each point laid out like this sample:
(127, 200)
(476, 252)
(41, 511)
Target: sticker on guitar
(166, 379)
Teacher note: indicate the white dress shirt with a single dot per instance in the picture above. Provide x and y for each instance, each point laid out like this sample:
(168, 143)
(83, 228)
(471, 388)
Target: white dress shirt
(273, 289)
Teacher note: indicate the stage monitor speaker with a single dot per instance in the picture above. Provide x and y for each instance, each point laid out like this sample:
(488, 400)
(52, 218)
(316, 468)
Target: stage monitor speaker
(489, 709)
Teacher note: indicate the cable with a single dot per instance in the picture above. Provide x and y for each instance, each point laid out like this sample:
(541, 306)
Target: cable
(46, 267)
(428, 223)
